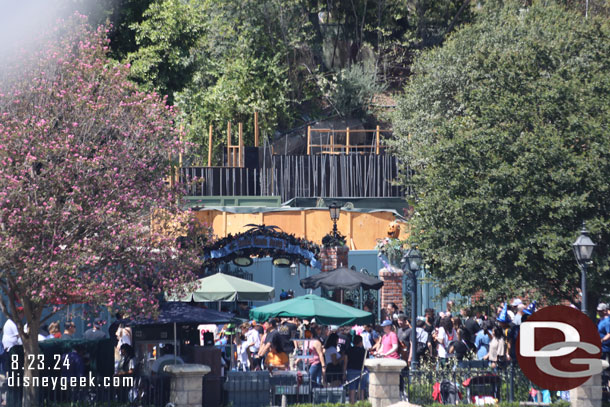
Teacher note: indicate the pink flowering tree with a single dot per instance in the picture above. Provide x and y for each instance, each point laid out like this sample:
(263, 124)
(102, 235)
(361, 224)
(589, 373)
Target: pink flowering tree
(83, 160)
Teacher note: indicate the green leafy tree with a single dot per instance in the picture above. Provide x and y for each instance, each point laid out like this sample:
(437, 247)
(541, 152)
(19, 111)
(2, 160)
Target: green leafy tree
(243, 62)
(165, 38)
(506, 129)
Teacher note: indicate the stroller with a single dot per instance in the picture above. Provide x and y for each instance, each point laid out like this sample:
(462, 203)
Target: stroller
(446, 392)
(484, 389)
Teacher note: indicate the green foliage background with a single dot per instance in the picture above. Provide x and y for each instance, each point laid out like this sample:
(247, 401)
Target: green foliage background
(506, 126)
(293, 61)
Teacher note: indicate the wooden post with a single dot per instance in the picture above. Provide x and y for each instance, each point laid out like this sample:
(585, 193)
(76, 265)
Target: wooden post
(180, 151)
(240, 159)
(179, 167)
(304, 223)
(210, 146)
(228, 144)
(308, 140)
(171, 170)
(255, 129)
(347, 141)
(377, 143)
(332, 143)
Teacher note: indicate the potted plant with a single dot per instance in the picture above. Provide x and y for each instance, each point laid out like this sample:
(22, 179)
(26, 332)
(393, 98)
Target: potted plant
(391, 248)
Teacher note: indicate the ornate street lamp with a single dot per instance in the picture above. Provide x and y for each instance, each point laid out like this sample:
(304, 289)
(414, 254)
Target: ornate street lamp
(335, 212)
(583, 250)
(411, 261)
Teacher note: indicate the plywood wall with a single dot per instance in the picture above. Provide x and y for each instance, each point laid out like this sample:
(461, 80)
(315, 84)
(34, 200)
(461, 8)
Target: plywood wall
(362, 229)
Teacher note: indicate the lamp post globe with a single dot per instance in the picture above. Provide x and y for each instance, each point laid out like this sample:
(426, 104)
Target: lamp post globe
(335, 211)
(411, 261)
(583, 251)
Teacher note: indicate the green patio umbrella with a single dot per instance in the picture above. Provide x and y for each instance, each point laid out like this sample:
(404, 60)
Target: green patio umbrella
(309, 306)
(222, 287)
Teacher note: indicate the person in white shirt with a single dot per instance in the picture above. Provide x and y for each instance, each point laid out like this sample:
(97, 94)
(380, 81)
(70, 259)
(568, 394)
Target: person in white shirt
(10, 333)
(243, 364)
(446, 334)
(253, 339)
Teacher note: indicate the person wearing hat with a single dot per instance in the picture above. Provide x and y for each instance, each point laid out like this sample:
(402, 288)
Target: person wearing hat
(523, 313)
(603, 327)
(388, 346)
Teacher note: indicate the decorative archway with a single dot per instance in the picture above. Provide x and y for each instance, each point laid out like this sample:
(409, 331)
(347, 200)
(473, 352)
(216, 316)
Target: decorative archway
(262, 241)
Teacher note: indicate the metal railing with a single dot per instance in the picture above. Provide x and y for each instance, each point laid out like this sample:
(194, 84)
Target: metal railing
(333, 146)
(261, 388)
(507, 384)
(141, 391)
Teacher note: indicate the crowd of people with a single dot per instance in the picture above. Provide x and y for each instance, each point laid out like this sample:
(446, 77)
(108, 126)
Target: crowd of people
(335, 356)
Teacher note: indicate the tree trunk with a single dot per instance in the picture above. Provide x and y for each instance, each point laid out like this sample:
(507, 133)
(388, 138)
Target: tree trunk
(30, 362)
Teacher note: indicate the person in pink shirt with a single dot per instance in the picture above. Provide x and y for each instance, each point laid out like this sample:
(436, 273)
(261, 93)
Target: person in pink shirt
(389, 342)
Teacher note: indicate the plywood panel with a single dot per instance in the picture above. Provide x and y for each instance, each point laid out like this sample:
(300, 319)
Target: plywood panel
(289, 222)
(365, 228)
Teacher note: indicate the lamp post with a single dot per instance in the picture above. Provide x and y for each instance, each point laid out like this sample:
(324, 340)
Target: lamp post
(583, 250)
(411, 261)
(335, 212)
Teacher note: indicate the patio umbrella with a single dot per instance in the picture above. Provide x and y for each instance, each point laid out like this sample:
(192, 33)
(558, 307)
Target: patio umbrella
(223, 287)
(309, 306)
(342, 278)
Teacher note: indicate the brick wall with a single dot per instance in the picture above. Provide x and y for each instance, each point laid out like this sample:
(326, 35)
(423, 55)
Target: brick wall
(333, 257)
(392, 287)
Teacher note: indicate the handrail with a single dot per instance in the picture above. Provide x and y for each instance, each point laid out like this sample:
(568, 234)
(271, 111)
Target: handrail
(344, 147)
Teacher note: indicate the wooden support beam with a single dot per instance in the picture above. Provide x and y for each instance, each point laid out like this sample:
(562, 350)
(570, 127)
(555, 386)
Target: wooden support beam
(308, 140)
(332, 143)
(347, 141)
(210, 146)
(255, 129)
(228, 144)
(377, 142)
(240, 158)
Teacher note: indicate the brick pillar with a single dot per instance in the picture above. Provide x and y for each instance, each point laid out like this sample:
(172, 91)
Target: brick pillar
(589, 394)
(186, 384)
(384, 379)
(333, 257)
(392, 287)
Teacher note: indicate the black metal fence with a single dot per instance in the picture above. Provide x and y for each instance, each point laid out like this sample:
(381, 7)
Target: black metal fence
(257, 389)
(141, 391)
(428, 385)
(300, 176)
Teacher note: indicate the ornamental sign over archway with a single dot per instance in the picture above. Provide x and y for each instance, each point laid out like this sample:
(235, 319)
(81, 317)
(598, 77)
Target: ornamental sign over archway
(262, 241)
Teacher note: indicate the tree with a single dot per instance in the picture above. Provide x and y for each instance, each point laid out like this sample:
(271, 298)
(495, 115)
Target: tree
(506, 129)
(165, 37)
(83, 158)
